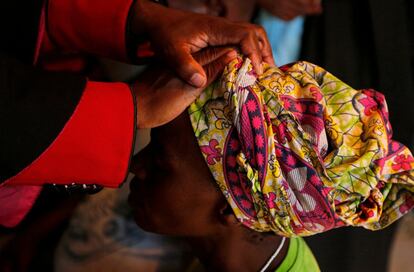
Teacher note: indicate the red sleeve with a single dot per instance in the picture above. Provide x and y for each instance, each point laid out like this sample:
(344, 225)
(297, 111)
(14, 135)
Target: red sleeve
(95, 145)
(90, 26)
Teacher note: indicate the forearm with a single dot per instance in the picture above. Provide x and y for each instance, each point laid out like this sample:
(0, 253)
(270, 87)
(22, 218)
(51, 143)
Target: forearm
(60, 128)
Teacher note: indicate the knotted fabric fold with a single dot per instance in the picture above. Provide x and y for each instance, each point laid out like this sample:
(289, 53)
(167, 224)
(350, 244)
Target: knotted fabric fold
(298, 152)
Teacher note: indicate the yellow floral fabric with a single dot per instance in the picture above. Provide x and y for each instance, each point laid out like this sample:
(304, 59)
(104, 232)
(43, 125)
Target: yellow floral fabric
(297, 151)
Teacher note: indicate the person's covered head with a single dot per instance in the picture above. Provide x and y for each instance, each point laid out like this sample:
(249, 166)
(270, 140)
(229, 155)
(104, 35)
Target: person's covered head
(294, 152)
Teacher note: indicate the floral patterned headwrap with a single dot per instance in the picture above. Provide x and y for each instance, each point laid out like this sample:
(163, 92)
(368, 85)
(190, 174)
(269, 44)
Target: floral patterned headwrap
(297, 151)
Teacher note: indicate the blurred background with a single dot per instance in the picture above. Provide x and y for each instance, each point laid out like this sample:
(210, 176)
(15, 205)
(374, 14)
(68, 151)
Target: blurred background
(366, 43)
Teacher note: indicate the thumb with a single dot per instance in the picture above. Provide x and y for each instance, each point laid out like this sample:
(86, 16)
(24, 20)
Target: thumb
(212, 70)
(188, 68)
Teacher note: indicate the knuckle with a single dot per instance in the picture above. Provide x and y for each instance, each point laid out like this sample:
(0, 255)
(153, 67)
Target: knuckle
(260, 29)
(249, 28)
(251, 35)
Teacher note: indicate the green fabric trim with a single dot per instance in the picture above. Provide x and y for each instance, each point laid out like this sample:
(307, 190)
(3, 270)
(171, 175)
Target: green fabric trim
(299, 258)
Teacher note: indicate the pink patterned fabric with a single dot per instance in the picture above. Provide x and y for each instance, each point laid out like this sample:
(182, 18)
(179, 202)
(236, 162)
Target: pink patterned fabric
(297, 151)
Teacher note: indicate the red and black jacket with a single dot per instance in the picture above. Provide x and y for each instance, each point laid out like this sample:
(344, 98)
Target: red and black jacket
(59, 127)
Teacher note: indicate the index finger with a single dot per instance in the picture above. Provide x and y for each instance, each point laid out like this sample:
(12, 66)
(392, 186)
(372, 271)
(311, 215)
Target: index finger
(210, 54)
(246, 36)
(267, 52)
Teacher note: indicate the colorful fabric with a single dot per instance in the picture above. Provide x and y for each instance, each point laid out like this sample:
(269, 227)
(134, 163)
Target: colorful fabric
(299, 258)
(298, 152)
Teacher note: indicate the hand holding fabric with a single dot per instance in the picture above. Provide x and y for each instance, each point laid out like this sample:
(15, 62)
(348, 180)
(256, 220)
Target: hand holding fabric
(175, 35)
(161, 96)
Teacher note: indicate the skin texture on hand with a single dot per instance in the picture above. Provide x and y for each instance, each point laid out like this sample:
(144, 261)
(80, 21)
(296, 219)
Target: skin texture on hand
(290, 9)
(175, 35)
(161, 96)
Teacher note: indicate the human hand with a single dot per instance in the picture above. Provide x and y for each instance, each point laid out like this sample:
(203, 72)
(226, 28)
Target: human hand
(161, 96)
(175, 35)
(289, 9)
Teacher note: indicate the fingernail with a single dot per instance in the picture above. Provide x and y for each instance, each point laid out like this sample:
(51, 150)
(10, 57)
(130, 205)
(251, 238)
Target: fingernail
(259, 69)
(232, 54)
(197, 80)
